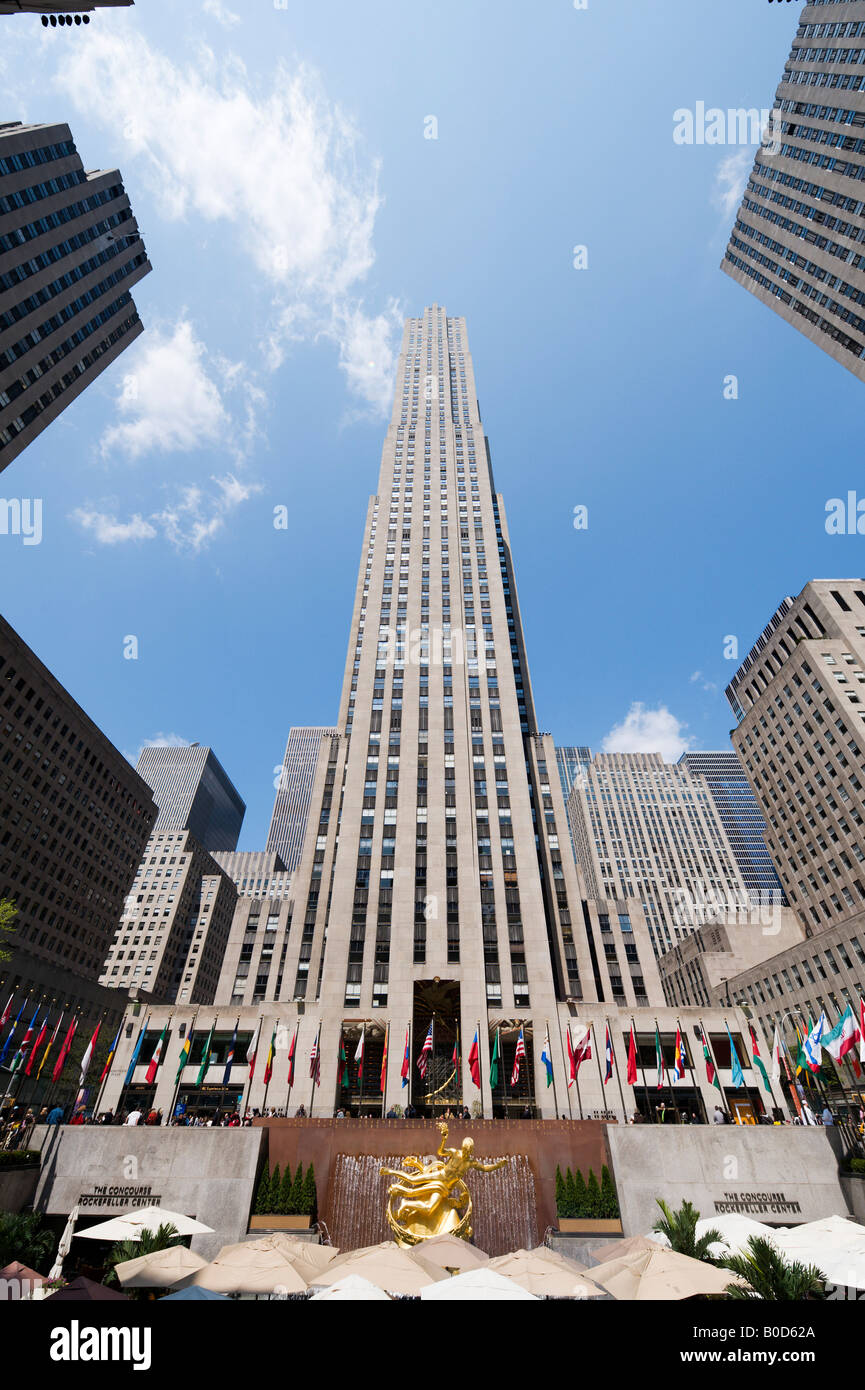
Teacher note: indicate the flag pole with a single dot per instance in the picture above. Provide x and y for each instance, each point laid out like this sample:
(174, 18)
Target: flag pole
(640, 1060)
(266, 1060)
(292, 1066)
(480, 1066)
(666, 1072)
(317, 1066)
(552, 1068)
(711, 1051)
(577, 1066)
(432, 1058)
(618, 1073)
(385, 1061)
(180, 1070)
(597, 1053)
(687, 1042)
(362, 1070)
(567, 1078)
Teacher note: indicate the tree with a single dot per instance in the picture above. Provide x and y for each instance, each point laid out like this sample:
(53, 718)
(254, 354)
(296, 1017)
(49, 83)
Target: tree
(309, 1199)
(162, 1238)
(680, 1228)
(275, 1192)
(8, 913)
(262, 1194)
(609, 1200)
(561, 1193)
(593, 1195)
(284, 1207)
(23, 1238)
(297, 1191)
(580, 1195)
(768, 1275)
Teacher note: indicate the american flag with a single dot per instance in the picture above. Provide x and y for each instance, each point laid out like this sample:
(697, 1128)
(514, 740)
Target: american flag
(425, 1051)
(520, 1052)
(315, 1062)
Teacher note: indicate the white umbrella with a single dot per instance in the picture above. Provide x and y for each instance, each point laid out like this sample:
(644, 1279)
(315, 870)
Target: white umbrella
(483, 1284)
(130, 1225)
(248, 1271)
(390, 1267)
(353, 1287)
(831, 1233)
(545, 1277)
(65, 1242)
(160, 1269)
(735, 1231)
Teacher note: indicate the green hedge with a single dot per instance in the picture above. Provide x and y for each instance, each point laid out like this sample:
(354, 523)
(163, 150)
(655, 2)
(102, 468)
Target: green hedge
(576, 1196)
(857, 1165)
(283, 1195)
(19, 1158)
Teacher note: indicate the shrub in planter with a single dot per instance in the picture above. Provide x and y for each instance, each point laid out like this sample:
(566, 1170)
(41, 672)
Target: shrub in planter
(857, 1165)
(263, 1201)
(309, 1197)
(609, 1200)
(275, 1193)
(19, 1158)
(285, 1207)
(593, 1196)
(296, 1207)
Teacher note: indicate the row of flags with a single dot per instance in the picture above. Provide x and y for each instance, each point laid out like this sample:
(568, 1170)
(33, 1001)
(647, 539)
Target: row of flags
(38, 1040)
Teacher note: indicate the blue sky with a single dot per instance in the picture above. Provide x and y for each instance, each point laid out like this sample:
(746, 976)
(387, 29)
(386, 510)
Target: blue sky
(294, 213)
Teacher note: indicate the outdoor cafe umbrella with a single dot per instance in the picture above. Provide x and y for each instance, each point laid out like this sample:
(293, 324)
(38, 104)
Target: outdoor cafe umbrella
(195, 1295)
(130, 1225)
(660, 1275)
(735, 1231)
(83, 1290)
(449, 1252)
(160, 1269)
(608, 1250)
(240, 1270)
(836, 1246)
(390, 1268)
(545, 1278)
(307, 1257)
(65, 1242)
(23, 1276)
(351, 1287)
(483, 1284)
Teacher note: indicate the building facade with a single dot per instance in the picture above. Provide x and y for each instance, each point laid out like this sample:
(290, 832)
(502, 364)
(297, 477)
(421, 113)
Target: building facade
(294, 789)
(194, 792)
(797, 241)
(70, 253)
(740, 816)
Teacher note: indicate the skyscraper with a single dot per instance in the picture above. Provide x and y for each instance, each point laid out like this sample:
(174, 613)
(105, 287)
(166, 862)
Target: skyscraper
(70, 253)
(797, 242)
(193, 792)
(294, 788)
(740, 816)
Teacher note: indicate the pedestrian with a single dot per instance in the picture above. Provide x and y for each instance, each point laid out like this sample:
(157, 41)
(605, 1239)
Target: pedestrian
(134, 1117)
(827, 1117)
(300, 1112)
(719, 1118)
(55, 1115)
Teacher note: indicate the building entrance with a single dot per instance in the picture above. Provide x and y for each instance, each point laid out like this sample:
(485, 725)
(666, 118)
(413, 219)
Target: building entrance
(436, 1085)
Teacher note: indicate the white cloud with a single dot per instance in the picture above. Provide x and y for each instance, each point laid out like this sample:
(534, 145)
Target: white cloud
(281, 164)
(731, 178)
(167, 400)
(107, 530)
(648, 731)
(166, 741)
(697, 678)
(224, 16)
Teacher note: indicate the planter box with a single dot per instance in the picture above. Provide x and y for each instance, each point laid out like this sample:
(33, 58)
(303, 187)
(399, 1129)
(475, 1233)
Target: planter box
(590, 1226)
(279, 1223)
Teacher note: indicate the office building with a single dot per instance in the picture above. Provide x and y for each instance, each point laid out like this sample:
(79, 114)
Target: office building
(797, 244)
(294, 788)
(70, 253)
(194, 792)
(740, 816)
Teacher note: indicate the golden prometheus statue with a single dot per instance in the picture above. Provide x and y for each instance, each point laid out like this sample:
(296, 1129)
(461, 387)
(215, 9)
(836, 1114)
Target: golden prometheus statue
(431, 1199)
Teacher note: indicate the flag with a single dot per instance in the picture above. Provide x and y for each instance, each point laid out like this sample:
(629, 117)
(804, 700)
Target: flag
(291, 1052)
(582, 1052)
(25, 1042)
(64, 1051)
(88, 1055)
(133, 1061)
(518, 1056)
(843, 1037)
(737, 1078)
(271, 1051)
(358, 1052)
(10, 1035)
(153, 1068)
(475, 1061)
(861, 1029)
(711, 1073)
(813, 1047)
(4, 1017)
(111, 1051)
(608, 1055)
(678, 1057)
(226, 1075)
(426, 1050)
(344, 1078)
(252, 1050)
(383, 1078)
(205, 1056)
(36, 1046)
(776, 1056)
(758, 1060)
(546, 1057)
(315, 1059)
(406, 1064)
(659, 1059)
(494, 1063)
(51, 1040)
(632, 1058)
(456, 1052)
(185, 1049)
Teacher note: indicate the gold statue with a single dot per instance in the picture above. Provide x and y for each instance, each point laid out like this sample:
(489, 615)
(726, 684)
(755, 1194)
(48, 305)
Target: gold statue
(431, 1199)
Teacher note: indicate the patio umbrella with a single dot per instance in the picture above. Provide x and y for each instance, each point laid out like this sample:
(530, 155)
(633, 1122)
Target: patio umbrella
(620, 1249)
(249, 1271)
(65, 1242)
(27, 1279)
(555, 1257)
(160, 1269)
(832, 1232)
(83, 1290)
(195, 1295)
(543, 1277)
(483, 1284)
(660, 1275)
(391, 1268)
(352, 1287)
(735, 1231)
(449, 1252)
(130, 1225)
(307, 1257)
(836, 1246)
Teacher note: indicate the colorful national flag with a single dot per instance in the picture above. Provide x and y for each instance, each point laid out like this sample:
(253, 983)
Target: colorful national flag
(36, 1046)
(111, 1051)
(406, 1063)
(51, 1042)
(88, 1055)
(608, 1055)
(133, 1061)
(383, 1077)
(475, 1061)
(758, 1060)
(252, 1050)
(632, 1058)
(813, 1045)
(678, 1057)
(10, 1035)
(344, 1078)
(185, 1049)
(153, 1068)
(776, 1056)
(205, 1057)
(64, 1050)
(546, 1057)
(18, 1059)
(737, 1078)
(7, 1012)
(226, 1075)
(425, 1052)
(494, 1063)
(659, 1059)
(315, 1059)
(843, 1037)
(455, 1058)
(519, 1054)
(291, 1051)
(711, 1072)
(271, 1053)
(358, 1052)
(861, 1029)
